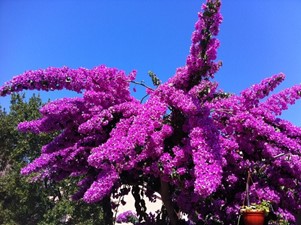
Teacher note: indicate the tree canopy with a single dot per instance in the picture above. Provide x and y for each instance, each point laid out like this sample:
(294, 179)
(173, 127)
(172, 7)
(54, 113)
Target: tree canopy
(190, 141)
(24, 202)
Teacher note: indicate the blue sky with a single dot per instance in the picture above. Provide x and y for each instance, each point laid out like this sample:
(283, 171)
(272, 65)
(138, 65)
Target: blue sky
(258, 39)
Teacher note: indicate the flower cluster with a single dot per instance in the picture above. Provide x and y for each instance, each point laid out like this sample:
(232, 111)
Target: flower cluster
(189, 134)
(127, 216)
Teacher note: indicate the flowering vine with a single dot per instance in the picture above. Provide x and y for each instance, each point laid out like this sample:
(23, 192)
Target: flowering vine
(190, 142)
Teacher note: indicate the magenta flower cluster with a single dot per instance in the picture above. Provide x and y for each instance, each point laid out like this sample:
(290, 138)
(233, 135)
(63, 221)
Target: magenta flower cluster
(127, 216)
(200, 140)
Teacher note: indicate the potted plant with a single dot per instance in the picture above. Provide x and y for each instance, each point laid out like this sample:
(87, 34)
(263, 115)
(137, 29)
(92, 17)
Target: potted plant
(254, 214)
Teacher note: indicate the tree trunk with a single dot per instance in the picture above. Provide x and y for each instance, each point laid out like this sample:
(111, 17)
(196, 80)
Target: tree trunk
(167, 203)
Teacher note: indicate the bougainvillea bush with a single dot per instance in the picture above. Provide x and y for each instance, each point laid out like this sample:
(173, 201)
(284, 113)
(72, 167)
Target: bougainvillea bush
(190, 142)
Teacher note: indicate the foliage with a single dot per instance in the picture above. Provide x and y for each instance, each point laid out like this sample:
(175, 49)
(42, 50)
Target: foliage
(190, 141)
(24, 202)
(263, 206)
(20, 201)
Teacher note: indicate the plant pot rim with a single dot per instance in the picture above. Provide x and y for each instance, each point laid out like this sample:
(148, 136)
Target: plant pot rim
(258, 211)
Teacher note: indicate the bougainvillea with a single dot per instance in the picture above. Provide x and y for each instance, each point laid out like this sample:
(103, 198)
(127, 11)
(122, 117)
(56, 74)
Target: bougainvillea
(190, 142)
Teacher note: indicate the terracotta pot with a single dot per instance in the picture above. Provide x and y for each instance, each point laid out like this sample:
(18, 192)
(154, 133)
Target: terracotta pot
(253, 217)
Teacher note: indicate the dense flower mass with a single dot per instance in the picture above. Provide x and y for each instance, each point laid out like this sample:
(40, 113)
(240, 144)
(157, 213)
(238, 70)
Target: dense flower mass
(127, 216)
(190, 141)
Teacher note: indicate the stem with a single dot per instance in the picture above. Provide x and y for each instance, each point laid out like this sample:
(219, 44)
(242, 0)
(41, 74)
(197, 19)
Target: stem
(139, 202)
(107, 209)
(141, 83)
(143, 98)
(115, 216)
(279, 155)
(248, 188)
(167, 203)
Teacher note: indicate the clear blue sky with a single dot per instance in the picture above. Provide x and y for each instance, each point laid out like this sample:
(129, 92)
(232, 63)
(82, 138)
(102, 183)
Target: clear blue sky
(258, 39)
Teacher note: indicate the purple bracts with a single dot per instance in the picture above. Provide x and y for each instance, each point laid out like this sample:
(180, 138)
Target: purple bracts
(197, 138)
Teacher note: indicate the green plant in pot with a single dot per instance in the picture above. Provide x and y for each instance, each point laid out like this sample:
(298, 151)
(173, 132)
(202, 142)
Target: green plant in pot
(264, 206)
(254, 213)
(261, 212)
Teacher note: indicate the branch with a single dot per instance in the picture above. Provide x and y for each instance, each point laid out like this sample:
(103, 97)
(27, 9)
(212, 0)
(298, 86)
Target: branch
(140, 83)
